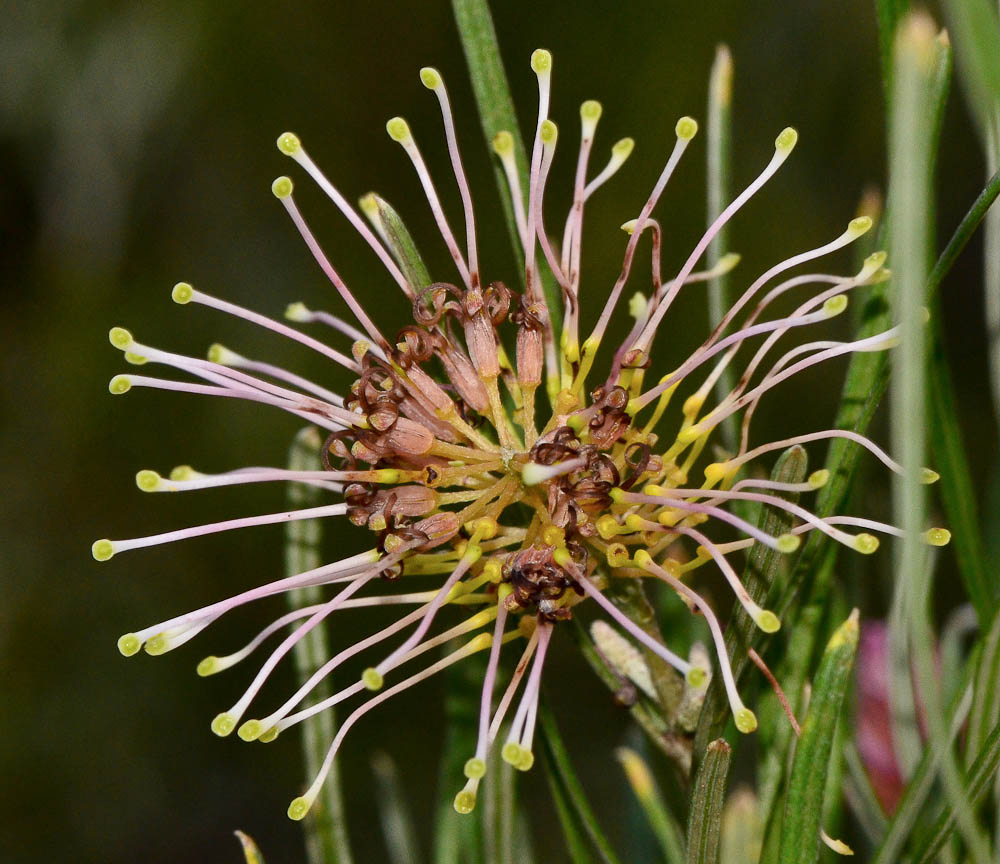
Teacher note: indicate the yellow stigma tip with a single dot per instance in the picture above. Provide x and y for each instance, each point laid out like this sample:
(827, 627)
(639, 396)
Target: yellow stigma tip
(119, 384)
(526, 761)
(372, 678)
(430, 77)
(818, 479)
(768, 621)
(475, 768)
(288, 143)
(157, 645)
(590, 111)
(223, 724)
(788, 543)
(298, 808)
(250, 731)
(866, 543)
(786, 140)
(548, 132)
(511, 753)
(696, 677)
(148, 481)
(282, 187)
(686, 128)
(465, 802)
(746, 720)
(503, 143)
(120, 337)
(835, 305)
(207, 666)
(182, 293)
(860, 225)
(937, 536)
(876, 260)
(642, 558)
(102, 550)
(129, 645)
(398, 129)
(928, 476)
(623, 149)
(541, 61)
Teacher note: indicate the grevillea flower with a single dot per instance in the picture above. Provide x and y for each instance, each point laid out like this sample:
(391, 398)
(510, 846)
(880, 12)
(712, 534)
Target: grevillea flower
(481, 444)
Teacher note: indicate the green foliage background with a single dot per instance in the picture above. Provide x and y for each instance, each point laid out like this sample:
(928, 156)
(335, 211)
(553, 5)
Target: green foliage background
(137, 150)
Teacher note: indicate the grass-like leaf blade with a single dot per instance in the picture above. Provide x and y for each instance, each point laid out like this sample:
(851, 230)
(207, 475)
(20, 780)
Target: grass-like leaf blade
(804, 802)
(707, 801)
(558, 762)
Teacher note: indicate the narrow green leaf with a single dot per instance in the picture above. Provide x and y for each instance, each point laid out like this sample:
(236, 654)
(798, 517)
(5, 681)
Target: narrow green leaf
(777, 735)
(985, 709)
(976, 31)
(718, 135)
(326, 826)
(557, 758)
(911, 146)
(496, 114)
(394, 813)
(456, 837)
(397, 237)
(576, 841)
(861, 798)
(250, 851)
(804, 802)
(979, 782)
(647, 793)
(963, 233)
(758, 577)
(707, 800)
(889, 14)
(917, 790)
(982, 584)
(868, 372)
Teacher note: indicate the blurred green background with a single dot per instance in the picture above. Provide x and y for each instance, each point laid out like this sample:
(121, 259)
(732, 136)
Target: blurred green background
(137, 150)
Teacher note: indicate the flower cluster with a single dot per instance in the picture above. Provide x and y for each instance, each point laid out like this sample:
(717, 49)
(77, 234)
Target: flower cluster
(478, 445)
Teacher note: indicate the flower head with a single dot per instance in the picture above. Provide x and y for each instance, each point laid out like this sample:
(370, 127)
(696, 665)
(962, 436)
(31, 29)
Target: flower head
(493, 444)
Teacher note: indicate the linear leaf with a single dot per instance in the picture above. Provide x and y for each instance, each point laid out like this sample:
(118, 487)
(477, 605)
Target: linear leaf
(978, 784)
(456, 837)
(397, 237)
(557, 758)
(719, 149)
(394, 812)
(917, 790)
(985, 702)
(661, 820)
(326, 826)
(977, 35)
(250, 851)
(804, 803)
(576, 841)
(889, 13)
(957, 494)
(707, 801)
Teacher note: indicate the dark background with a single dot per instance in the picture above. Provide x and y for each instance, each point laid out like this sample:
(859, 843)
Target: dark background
(137, 150)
